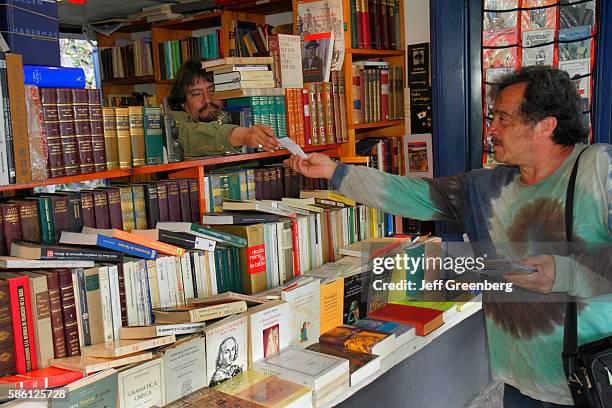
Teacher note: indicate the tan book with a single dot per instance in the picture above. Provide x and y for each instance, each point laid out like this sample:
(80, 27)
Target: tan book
(98, 314)
(160, 330)
(252, 257)
(41, 314)
(89, 365)
(237, 61)
(192, 314)
(270, 391)
(118, 348)
(327, 195)
(137, 135)
(19, 117)
(124, 143)
(243, 92)
(111, 141)
(225, 297)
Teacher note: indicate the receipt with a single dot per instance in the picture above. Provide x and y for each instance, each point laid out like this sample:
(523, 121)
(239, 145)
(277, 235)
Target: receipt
(290, 145)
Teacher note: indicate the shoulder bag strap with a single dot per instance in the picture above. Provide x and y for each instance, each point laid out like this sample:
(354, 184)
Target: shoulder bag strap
(570, 330)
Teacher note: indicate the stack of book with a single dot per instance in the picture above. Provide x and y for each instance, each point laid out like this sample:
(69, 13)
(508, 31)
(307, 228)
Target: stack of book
(234, 75)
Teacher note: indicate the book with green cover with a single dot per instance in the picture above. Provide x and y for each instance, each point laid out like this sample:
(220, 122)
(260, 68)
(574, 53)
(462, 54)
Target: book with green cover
(94, 391)
(45, 218)
(153, 135)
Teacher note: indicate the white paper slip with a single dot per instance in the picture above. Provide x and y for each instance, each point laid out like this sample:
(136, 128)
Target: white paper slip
(290, 145)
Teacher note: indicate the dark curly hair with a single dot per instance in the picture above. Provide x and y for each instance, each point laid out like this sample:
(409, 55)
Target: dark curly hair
(186, 76)
(550, 92)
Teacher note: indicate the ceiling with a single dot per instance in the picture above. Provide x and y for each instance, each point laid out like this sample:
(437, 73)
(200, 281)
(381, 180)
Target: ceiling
(78, 14)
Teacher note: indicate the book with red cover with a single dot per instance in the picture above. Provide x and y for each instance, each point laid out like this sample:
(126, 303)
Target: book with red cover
(423, 319)
(67, 131)
(48, 98)
(97, 129)
(12, 224)
(7, 347)
(28, 215)
(71, 330)
(114, 207)
(82, 126)
(23, 325)
(43, 378)
(55, 306)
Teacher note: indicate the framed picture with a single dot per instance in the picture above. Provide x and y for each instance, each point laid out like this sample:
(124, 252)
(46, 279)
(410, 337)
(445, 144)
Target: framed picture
(418, 155)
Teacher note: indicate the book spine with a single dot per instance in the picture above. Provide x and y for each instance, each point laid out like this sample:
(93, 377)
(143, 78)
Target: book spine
(19, 119)
(87, 205)
(384, 94)
(12, 224)
(153, 136)
(162, 196)
(229, 238)
(23, 329)
(8, 130)
(174, 201)
(127, 208)
(113, 278)
(194, 200)
(68, 138)
(82, 127)
(4, 166)
(140, 213)
(96, 119)
(296, 248)
(101, 209)
(107, 313)
(157, 245)
(124, 142)
(52, 130)
(36, 134)
(114, 207)
(151, 204)
(111, 151)
(71, 331)
(7, 347)
(42, 318)
(184, 198)
(153, 283)
(81, 296)
(126, 247)
(75, 212)
(57, 321)
(137, 135)
(61, 219)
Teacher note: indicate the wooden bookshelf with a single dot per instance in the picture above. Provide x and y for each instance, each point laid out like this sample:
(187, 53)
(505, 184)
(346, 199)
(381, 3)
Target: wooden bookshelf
(71, 179)
(374, 125)
(147, 79)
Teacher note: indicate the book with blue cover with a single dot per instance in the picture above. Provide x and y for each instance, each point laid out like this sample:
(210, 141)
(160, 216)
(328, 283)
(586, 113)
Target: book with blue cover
(54, 77)
(128, 248)
(403, 332)
(31, 28)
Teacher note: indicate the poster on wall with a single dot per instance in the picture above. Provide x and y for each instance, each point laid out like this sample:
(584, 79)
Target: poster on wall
(418, 65)
(419, 155)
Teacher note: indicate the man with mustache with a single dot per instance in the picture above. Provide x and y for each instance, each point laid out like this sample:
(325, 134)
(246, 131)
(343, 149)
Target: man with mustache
(200, 130)
(537, 132)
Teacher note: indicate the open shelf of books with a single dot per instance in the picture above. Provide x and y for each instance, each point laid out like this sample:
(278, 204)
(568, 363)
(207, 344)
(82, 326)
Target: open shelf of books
(187, 281)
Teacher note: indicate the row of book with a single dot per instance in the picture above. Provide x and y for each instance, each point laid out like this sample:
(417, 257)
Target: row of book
(43, 217)
(128, 59)
(248, 39)
(375, 24)
(317, 320)
(378, 92)
(172, 54)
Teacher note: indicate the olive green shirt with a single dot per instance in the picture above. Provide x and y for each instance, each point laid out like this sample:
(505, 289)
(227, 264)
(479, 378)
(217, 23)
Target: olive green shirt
(203, 138)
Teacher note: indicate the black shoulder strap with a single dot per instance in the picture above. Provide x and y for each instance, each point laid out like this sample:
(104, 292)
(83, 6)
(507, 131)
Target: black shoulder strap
(570, 330)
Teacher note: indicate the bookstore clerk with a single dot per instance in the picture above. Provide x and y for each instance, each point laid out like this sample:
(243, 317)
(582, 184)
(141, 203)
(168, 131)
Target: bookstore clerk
(200, 130)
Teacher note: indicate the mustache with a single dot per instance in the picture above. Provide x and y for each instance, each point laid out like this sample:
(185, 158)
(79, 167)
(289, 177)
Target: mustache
(495, 141)
(208, 105)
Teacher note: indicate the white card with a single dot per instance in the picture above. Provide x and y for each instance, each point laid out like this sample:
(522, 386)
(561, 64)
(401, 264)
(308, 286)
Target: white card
(290, 145)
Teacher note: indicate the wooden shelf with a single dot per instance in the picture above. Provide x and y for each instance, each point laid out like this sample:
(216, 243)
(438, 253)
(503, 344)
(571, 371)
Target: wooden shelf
(209, 161)
(135, 27)
(147, 79)
(192, 22)
(70, 179)
(264, 7)
(364, 52)
(376, 124)
(164, 81)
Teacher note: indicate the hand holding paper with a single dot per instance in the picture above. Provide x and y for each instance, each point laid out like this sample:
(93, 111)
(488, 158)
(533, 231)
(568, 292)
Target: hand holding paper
(290, 145)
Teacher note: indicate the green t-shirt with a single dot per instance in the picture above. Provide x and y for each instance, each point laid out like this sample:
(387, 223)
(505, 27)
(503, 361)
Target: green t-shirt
(494, 206)
(202, 138)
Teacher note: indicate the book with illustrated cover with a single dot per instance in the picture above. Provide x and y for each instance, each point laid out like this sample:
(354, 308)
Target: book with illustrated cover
(269, 391)
(506, 51)
(209, 397)
(361, 365)
(226, 349)
(317, 56)
(184, 367)
(359, 340)
(423, 319)
(538, 47)
(539, 14)
(577, 15)
(94, 391)
(320, 16)
(403, 332)
(269, 329)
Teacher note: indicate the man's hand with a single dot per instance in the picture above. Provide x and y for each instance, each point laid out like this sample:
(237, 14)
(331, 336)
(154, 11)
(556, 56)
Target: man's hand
(541, 280)
(317, 165)
(255, 136)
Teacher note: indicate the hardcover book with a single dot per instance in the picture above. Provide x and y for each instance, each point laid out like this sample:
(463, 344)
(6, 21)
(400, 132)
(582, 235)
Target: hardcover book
(209, 397)
(7, 347)
(29, 250)
(423, 319)
(226, 349)
(269, 391)
(42, 378)
(403, 332)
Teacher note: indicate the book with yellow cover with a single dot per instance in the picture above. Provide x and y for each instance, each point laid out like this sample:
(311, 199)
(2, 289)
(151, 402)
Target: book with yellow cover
(331, 304)
(266, 390)
(328, 195)
(359, 340)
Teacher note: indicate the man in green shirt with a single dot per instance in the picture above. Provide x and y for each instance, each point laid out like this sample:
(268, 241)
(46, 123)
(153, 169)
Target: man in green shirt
(537, 132)
(200, 132)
